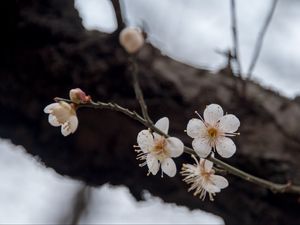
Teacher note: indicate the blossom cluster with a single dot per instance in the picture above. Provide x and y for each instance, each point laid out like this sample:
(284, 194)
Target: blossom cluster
(210, 133)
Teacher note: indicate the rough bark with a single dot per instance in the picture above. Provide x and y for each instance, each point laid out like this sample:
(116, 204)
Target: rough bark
(54, 54)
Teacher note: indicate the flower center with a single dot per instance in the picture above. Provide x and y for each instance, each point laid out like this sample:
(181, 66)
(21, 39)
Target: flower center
(63, 112)
(212, 132)
(159, 149)
(206, 175)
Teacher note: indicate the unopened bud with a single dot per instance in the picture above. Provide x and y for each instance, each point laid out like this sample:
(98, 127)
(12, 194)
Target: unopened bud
(78, 96)
(132, 39)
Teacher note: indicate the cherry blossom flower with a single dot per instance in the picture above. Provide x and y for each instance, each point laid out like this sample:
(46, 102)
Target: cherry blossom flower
(78, 96)
(132, 39)
(213, 131)
(64, 115)
(201, 176)
(157, 150)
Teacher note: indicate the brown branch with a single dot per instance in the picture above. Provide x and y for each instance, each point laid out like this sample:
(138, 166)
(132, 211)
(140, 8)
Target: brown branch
(80, 204)
(274, 187)
(118, 13)
(107, 105)
(138, 91)
(234, 32)
(260, 39)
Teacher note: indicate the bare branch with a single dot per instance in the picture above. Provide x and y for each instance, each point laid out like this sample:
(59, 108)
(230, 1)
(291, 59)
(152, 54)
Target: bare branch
(234, 30)
(274, 187)
(138, 91)
(260, 39)
(118, 13)
(80, 204)
(107, 105)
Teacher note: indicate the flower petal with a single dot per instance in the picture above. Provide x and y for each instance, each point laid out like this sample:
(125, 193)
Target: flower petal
(219, 181)
(168, 166)
(145, 140)
(208, 186)
(229, 123)
(225, 147)
(48, 108)
(212, 114)
(163, 124)
(201, 147)
(53, 121)
(152, 164)
(207, 165)
(73, 123)
(196, 128)
(65, 129)
(175, 146)
(157, 137)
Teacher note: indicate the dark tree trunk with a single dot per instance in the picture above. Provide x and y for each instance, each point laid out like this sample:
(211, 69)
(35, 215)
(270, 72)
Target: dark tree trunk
(54, 54)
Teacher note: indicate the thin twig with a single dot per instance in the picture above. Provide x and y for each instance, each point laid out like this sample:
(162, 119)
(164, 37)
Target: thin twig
(107, 105)
(260, 39)
(138, 91)
(234, 30)
(118, 13)
(80, 204)
(274, 187)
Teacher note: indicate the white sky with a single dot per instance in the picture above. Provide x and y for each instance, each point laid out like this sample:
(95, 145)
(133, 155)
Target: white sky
(33, 194)
(191, 31)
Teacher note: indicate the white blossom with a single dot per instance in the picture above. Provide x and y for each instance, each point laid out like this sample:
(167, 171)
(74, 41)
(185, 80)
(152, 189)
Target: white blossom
(202, 179)
(132, 39)
(213, 131)
(158, 151)
(64, 115)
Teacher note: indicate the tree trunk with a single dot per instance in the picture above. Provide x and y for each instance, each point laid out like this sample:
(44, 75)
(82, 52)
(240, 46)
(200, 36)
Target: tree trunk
(54, 54)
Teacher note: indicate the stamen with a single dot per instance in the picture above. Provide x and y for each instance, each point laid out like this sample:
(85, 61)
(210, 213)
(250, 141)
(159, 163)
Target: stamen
(194, 157)
(199, 115)
(211, 196)
(143, 164)
(231, 134)
(141, 157)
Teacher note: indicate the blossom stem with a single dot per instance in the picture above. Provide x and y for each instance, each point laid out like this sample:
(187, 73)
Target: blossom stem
(107, 105)
(274, 187)
(138, 91)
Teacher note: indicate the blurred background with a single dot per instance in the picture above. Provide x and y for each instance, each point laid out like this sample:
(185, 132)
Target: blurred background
(58, 49)
(194, 32)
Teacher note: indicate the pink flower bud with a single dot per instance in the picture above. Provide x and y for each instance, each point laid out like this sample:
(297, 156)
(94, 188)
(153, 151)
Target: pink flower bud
(132, 39)
(78, 96)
